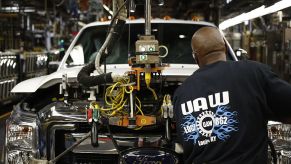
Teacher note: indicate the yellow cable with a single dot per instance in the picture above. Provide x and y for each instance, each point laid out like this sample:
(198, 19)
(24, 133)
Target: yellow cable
(139, 106)
(130, 90)
(115, 101)
(114, 97)
(139, 102)
(139, 109)
(153, 91)
(148, 81)
(118, 109)
(138, 128)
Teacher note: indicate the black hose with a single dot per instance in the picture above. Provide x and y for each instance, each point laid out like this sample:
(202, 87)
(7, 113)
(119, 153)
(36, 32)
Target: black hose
(117, 29)
(117, 13)
(84, 77)
(88, 81)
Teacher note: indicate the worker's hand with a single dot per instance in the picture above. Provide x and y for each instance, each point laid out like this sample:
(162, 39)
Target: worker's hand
(116, 77)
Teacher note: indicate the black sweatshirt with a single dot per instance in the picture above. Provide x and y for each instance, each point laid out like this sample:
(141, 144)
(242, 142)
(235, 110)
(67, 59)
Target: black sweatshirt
(222, 111)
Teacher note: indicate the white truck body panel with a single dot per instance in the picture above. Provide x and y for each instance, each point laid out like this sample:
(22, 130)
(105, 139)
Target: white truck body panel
(31, 85)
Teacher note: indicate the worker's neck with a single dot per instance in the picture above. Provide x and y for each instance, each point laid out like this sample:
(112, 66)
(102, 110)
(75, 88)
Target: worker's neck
(212, 58)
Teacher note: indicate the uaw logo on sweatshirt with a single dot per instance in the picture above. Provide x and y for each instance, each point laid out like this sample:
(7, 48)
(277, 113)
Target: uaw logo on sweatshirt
(214, 119)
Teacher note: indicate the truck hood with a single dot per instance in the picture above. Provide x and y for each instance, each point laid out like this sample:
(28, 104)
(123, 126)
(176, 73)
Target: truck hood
(31, 85)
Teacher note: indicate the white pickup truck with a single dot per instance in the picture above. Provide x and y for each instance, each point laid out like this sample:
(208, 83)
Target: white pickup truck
(54, 114)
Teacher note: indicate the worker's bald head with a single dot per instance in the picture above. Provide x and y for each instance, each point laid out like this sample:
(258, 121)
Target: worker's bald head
(208, 45)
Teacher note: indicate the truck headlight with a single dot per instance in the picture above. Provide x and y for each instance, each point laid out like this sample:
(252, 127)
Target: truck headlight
(20, 136)
(21, 142)
(19, 157)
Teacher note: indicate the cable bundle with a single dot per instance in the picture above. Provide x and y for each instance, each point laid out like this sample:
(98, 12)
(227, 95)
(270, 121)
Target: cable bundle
(115, 98)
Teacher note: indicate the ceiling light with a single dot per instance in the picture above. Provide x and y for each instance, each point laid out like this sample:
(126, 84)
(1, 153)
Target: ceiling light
(10, 8)
(16, 9)
(258, 12)
(228, 1)
(132, 6)
(182, 36)
(161, 2)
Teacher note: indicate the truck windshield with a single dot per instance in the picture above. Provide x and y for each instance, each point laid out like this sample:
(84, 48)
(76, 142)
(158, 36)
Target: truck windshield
(176, 37)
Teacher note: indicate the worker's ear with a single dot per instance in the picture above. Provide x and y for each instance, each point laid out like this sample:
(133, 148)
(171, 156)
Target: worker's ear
(194, 54)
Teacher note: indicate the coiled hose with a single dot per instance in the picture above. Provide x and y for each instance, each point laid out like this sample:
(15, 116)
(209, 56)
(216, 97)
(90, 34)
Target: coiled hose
(88, 81)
